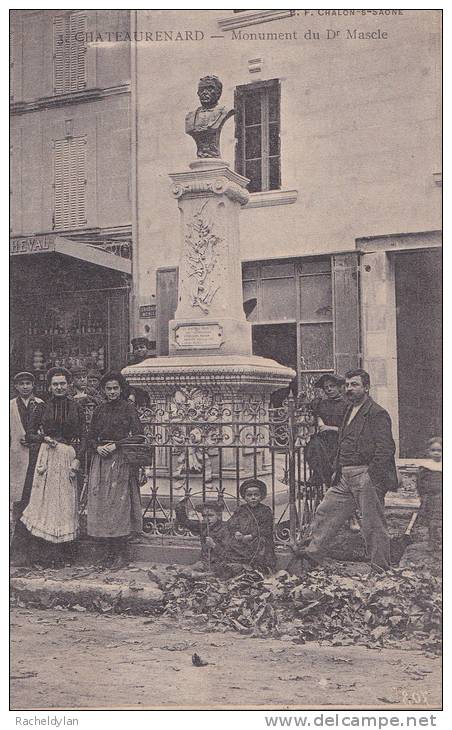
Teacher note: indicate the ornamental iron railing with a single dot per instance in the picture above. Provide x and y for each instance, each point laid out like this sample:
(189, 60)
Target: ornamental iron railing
(204, 451)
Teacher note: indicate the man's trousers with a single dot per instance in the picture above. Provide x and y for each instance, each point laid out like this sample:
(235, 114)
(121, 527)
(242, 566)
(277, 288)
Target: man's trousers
(355, 491)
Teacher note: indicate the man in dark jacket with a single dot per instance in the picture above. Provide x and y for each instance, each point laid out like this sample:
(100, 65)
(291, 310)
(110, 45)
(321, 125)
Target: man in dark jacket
(365, 470)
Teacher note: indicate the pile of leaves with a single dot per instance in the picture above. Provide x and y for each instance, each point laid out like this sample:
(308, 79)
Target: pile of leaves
(396, 608)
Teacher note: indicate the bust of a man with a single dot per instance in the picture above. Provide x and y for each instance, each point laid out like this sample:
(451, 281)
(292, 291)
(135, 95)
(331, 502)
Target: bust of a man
(205, 124)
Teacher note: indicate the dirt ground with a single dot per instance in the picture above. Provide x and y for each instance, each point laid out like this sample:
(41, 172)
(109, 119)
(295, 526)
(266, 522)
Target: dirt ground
(70, 659)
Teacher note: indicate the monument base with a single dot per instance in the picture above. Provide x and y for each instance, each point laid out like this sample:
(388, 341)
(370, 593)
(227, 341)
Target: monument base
(208, 417)
(222, 375)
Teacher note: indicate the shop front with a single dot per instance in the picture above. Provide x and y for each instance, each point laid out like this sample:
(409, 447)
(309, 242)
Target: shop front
(305, 312)
(69, 306)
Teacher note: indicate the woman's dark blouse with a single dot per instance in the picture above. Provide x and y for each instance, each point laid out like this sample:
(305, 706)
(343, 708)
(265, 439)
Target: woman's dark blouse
(331, 411)
(63, 420)
(113, 421)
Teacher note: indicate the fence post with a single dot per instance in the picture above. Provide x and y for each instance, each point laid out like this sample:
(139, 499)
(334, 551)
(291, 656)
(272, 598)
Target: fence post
(291, 458)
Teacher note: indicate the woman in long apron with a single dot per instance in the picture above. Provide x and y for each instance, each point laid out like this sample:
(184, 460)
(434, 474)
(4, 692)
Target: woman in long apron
(114, 504)
(52, 512)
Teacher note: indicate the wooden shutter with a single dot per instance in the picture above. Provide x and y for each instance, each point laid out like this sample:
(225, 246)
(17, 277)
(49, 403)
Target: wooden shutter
(167, 284)
(59, 43)
(69, 53)
(346, 312)
(77, 50)
(70, 183)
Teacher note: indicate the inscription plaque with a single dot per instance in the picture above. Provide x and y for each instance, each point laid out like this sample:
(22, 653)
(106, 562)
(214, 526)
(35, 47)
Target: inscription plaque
(199, 336)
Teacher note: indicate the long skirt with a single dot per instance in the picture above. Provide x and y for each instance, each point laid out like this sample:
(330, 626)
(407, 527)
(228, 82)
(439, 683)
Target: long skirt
(52, 512)
(114, 503)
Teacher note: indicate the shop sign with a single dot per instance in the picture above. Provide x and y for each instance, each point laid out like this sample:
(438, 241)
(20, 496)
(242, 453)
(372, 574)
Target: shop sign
(31, 244)
(148, 311)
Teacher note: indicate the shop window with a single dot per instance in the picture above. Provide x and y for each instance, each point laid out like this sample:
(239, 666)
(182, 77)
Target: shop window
(69, 53)
(69, 183)
(273, 286)
(257, 133)
(316, 331)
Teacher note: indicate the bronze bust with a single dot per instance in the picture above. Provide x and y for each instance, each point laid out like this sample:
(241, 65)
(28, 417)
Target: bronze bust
(205, 124)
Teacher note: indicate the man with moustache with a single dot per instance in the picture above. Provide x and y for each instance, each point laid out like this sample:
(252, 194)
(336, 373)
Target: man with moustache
(365, 470)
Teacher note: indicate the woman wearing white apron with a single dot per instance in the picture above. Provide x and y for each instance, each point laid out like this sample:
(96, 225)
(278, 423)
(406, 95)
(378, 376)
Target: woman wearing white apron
(52, 512)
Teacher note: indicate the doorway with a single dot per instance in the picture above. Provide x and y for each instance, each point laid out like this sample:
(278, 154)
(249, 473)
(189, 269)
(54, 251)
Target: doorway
(419, 347)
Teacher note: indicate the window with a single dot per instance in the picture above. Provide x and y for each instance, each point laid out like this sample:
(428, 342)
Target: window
(316, 316)
(69, 53)
(295, 299)
(69, 183)
(272, 284)
(258, 135)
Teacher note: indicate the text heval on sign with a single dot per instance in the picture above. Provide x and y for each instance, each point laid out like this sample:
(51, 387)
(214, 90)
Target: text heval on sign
(208, 336)
(29, 245)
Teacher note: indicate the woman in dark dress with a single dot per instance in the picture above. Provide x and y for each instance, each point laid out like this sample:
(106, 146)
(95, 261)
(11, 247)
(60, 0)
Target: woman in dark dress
(114, 503)
(52, 511)
(329, 412)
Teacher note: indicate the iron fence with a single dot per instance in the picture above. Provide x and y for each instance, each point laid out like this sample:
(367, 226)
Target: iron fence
(205, 451)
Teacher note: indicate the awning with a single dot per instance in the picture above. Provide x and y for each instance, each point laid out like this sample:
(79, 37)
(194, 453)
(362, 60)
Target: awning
(39, 245)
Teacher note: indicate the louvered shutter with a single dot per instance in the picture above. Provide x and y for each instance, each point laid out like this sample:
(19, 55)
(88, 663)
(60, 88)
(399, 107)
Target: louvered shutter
(69, 53)
(70, 183)
(346, 312)
(77, 49)
(58, 54)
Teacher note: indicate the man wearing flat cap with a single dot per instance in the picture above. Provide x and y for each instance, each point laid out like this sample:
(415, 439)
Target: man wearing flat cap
(141, 347)
(23, 455)
(141, 351)
(329, 412)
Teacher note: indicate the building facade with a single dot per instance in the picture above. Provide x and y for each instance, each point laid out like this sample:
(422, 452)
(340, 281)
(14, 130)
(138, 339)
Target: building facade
(70, 237)
(340, 137)
(339, 134)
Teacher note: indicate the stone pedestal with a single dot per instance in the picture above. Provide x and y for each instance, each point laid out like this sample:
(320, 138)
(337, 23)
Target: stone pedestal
(210, 392)
(209, 319)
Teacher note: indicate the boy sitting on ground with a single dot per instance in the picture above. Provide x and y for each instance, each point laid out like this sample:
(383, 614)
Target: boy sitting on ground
(251, 530)
(213, 533)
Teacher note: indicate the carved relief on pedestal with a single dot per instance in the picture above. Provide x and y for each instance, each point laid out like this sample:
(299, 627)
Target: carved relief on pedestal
(201, 254)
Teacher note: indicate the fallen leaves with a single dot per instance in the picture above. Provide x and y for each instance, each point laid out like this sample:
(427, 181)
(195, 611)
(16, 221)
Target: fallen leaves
(390, 609)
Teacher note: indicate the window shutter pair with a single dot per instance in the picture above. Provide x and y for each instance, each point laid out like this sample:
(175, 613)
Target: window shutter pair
(69, 53)
(70, 183)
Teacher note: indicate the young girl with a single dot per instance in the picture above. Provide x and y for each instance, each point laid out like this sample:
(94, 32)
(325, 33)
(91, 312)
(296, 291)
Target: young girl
(429, 486)
(251, 529)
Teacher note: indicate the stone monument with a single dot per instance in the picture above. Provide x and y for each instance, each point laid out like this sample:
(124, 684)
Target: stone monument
(210, 374)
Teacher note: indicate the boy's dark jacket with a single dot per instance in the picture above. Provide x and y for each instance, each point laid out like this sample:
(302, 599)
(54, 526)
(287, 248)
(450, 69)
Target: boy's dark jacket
(218, 532)
(375, 445)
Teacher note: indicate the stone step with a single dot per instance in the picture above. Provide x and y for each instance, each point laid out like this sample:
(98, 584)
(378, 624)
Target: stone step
(130, 590)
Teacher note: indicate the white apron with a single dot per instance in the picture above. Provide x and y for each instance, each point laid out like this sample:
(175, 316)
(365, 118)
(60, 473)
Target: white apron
(52, 513)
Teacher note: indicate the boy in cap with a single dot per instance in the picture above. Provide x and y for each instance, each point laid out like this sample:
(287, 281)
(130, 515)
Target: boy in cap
(251, 529)
(23, 457)
(213, 534)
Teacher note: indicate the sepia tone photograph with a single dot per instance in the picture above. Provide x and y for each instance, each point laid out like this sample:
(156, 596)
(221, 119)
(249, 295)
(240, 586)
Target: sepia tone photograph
(225, 360)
